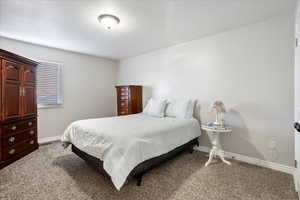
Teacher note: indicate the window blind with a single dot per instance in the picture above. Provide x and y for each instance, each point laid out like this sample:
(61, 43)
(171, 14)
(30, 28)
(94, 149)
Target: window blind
(48, 84)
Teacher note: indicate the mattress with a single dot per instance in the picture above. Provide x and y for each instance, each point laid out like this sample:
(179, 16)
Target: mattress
(123, 142)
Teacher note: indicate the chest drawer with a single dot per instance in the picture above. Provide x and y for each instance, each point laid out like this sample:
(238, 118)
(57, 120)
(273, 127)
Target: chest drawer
(124, 89)
(124, 93)
(123, 104)
(13, 151)
(18, 138)
(17, 127)
(123, 97)
(123, 112)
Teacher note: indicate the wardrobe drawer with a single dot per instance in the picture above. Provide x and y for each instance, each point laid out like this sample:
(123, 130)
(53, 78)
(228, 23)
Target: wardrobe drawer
(11, 129)
(12, 151)
(17, 127)
(27, 124)
(18, 138)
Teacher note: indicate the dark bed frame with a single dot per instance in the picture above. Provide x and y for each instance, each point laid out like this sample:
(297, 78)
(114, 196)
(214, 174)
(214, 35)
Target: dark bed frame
(141, 169)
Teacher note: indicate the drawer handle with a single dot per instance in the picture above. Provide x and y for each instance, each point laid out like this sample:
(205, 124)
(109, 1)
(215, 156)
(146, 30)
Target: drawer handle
(122, 104)
(11, 139)
(31, 132)
(29, 123)
(12, 151)
(13, 128)
(32, 142)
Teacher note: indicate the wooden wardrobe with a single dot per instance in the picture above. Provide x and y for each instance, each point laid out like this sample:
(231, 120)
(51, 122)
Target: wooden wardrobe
(18, 107)
(130, 99)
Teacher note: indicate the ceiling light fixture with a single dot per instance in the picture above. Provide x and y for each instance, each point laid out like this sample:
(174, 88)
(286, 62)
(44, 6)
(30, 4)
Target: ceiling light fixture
(108, 21)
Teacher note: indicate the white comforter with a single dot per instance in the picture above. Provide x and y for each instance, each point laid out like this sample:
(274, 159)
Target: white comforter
(126, 141)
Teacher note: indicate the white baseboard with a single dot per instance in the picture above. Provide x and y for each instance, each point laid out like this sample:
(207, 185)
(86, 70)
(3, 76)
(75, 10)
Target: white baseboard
(254, 161)
(48, 139)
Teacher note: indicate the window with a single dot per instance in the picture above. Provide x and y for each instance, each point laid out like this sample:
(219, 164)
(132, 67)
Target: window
(49, 84)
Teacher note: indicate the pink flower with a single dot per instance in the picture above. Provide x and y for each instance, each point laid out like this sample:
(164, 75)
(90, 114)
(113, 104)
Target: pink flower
(218, 106)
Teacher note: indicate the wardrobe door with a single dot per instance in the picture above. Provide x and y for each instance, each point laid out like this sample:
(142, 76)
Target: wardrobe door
(1, 113)
(11, 90)
(29, 92)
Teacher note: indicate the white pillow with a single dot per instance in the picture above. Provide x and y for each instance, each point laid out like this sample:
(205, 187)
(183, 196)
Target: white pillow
(155, 108)
(190, 110)
(183, 109)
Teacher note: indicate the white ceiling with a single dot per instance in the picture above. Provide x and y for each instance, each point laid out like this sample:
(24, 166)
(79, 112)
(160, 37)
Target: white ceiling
(145, 24)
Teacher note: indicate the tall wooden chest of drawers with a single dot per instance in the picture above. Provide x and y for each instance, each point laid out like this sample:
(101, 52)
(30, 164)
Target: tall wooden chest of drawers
(18, 107)
(130, 99)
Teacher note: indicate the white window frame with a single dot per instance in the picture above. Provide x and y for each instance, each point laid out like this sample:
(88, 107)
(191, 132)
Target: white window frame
(59, 86)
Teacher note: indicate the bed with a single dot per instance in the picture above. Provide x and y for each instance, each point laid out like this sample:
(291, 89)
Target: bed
(125, 147)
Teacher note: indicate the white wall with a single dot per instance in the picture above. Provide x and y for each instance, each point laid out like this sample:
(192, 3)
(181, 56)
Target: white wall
(87, 85)
(249, 68)
(297, 91)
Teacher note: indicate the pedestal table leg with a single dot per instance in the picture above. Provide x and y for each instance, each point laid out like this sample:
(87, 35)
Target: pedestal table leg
(216, 149)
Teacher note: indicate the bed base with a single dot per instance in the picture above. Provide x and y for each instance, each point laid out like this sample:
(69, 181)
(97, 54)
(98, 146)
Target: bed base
(138, 172)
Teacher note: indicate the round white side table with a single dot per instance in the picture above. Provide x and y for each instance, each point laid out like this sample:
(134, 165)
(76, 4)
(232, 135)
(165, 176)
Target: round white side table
(216, 150)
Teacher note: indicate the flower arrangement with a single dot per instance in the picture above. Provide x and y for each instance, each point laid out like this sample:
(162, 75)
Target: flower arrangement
(219, 108)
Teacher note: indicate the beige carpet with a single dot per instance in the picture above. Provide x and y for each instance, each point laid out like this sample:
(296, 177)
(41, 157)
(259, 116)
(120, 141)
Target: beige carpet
(53, 173)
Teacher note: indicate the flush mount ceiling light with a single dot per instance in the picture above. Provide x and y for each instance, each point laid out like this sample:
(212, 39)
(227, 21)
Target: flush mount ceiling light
(108, 21)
